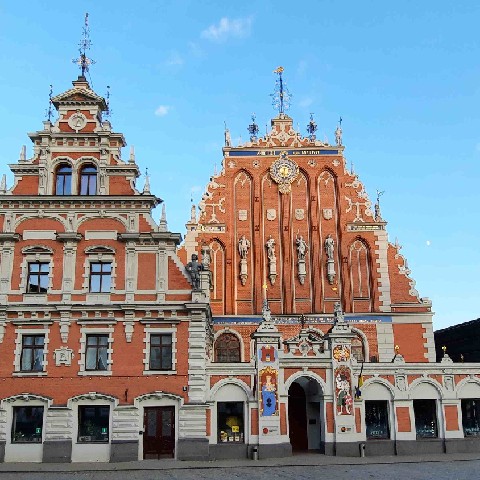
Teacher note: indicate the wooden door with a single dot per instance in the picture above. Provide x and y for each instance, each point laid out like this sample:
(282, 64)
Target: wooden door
(159, 432)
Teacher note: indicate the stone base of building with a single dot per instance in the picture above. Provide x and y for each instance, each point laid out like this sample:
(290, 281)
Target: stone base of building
(224, 451)
(2, 452)
(124, 451)
(58, 451)
(462, 445)
(193, 449)
(347, 449)
(420, 447)
(375, 448)
(277, 450)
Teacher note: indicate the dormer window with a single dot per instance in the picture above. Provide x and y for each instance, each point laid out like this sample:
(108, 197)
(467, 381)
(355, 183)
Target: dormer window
(88, 180)
(63, 185)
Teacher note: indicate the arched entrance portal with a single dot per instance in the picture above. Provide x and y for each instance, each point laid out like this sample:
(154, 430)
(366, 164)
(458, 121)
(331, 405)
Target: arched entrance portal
(305, 404)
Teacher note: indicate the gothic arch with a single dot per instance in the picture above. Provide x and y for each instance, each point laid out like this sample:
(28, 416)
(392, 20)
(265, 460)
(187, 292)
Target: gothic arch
(231, 381)
(300, 374)
(228, 330)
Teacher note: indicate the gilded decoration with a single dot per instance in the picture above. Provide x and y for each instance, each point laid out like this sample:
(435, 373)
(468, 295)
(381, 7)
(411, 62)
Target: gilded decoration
(283, 172)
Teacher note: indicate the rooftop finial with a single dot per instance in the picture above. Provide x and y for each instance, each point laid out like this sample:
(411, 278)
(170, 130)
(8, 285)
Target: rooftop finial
(228, 138)
(49, 111)
(83, 61)
(312, 128)
(146, 187)
(108, 111)
(132, 155)
(338, 133)
(23, 153)
(281, 97)
(162, 227)
(378, 216)
(253, 129)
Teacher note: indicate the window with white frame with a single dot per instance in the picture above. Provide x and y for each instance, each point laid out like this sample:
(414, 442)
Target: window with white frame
(160, 351)
(37, 270)
(100, 267)
(93, 423)
(31, 348)
(27, 424)
(96, 351)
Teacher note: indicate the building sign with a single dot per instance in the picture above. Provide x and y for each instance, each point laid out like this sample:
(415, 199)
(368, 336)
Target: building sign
(275, 153)
(364, 228)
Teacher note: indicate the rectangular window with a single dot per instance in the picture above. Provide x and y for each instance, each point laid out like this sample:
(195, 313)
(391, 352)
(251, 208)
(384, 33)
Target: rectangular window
(425, 418)
(471, 417)
(376, 419)
(27, 424)
(230, 422)
(160, 352)
(31, 359)
(100, 277)
(93, 424)
(38, 277)
(96, 352)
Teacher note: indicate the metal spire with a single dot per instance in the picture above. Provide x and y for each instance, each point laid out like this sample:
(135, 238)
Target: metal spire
(108, 111)
(83, 61)
(49, 111)
(312, 128)
(253, 129)
(281, 96)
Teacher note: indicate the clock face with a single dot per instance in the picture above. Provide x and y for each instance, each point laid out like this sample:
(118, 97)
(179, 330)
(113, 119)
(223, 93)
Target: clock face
(284, 171)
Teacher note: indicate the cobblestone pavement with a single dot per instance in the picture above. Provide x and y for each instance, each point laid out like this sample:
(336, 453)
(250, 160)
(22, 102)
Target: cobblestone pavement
(445, 470)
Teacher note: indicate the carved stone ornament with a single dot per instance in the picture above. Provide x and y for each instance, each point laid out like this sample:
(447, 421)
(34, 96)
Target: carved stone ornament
(327, 213)
(271, 214)
(242, 215)
(299, 213)
(63, 356)
(77, 121)
(283, 172)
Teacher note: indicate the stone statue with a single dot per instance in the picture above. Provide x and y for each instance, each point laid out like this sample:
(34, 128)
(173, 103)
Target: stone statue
(338, 136)
(243, 246)
(329, 247)
(337, 313)
(301, 247)
(271, 249)
(194, 267)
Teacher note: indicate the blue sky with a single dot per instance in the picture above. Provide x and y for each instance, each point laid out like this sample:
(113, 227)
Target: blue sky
(405, 77)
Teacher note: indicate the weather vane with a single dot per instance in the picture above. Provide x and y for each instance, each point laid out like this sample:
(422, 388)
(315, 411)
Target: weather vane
(281, 97)
(83, 61)
(49, 111)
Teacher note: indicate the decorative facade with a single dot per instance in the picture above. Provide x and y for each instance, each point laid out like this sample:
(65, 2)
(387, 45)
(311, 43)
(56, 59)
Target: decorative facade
(285, 321)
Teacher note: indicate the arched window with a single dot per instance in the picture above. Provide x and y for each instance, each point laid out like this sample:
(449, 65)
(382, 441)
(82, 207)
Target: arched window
(88, 180)
(63, 184)
(227, 348)
(358, 351)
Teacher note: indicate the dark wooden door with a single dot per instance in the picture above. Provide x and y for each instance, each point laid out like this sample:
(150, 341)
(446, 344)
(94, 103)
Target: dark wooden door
(159, 432)
(297, 417)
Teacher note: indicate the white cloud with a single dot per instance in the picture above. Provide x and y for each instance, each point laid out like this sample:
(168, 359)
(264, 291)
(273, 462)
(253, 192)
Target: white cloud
(162, 110)
(305, 102)
(428, 243)
(226, 27)
(174, 60)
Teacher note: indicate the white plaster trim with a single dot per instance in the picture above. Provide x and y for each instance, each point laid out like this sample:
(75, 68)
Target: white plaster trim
(146, 351)
(84, 331)
(19, 333)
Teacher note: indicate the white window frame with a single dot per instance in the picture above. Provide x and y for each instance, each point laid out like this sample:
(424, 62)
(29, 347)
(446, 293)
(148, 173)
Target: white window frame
(98, 254)
(19, 333)
(149, 331)
(43, 255)
(84, 331)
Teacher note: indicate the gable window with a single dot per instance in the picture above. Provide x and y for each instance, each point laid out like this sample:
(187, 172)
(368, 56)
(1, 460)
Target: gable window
(88, 180)
(96, 352)
(93, 423)
(38, 277)
(31, 359)
(160, 352)
(63, 184)
(27, 424)
(471, 417)
(100, 277)
(227, 348)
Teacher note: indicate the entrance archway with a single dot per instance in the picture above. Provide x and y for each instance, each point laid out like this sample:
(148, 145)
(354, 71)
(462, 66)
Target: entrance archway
(305, 403)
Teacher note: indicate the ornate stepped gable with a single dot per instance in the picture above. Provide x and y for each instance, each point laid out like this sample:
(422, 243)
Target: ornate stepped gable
(311, 232)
